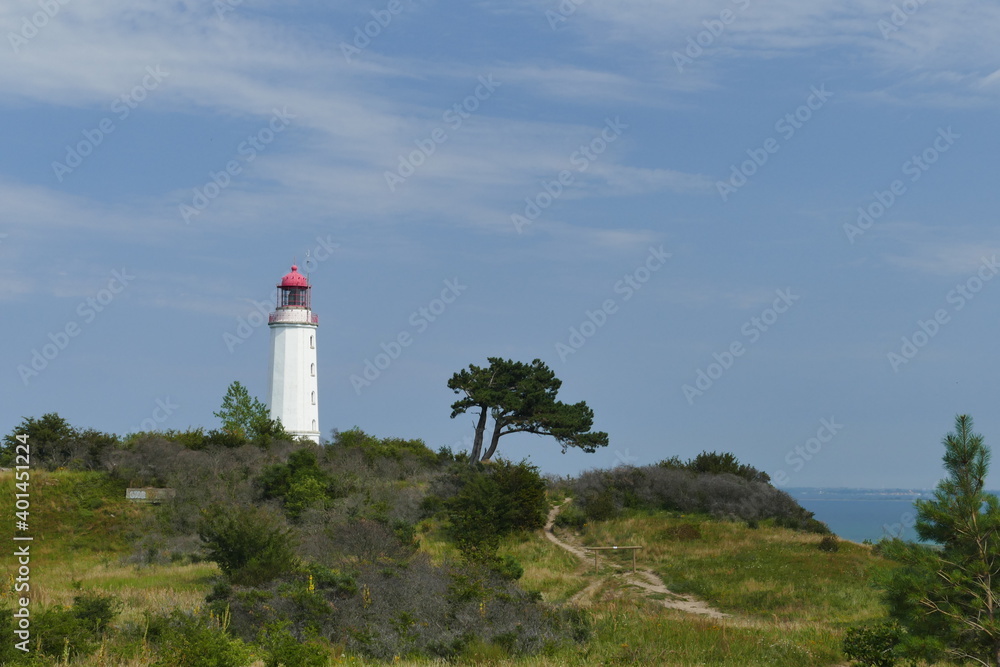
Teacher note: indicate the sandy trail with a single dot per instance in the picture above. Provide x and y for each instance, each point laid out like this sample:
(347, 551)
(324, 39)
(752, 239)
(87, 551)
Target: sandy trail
(644, 579)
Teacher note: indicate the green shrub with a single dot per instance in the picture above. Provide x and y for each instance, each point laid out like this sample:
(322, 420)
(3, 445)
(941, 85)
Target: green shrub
(716, 464)
(571, 516)
(685, 532)
(601, 506)
(872, 645)
(60, 632)
(509, 568)
(96, 611)
(225, 439)
(55, 443)
(298, 484)
(672, 486)
(829, 544)
(493, 501)
(282, 649)
(248, 544)
(184, 640)
(334, 581)
(387, 448)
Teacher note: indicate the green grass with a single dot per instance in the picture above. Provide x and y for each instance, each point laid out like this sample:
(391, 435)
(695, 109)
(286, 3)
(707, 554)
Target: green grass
(81, 524)
(548, 569)
(768, 572)
(790, 602)
(83, 512)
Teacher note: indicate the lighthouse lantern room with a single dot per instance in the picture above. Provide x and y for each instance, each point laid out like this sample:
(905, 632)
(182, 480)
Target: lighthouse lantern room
(293, 358)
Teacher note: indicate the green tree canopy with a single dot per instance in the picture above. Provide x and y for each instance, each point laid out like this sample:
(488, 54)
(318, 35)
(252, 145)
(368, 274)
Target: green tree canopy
(246, 417)
(521, 398)
(947, 598)
(250, 545)
(54, 442)
(299, 483)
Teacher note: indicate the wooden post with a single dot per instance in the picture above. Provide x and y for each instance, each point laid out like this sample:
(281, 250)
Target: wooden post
(597, 550)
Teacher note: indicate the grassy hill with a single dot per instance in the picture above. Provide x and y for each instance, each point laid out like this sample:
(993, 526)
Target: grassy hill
(788, 602)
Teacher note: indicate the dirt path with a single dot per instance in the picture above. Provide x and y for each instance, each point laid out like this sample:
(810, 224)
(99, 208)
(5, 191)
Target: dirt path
(643, 579)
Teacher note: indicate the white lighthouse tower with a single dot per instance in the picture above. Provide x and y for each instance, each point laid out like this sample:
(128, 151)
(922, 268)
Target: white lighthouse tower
(293, 358)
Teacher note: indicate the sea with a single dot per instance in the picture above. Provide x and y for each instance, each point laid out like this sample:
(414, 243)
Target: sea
(863, 514)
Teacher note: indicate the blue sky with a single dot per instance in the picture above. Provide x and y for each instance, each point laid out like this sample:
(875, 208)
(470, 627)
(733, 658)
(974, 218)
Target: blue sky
(663, 201)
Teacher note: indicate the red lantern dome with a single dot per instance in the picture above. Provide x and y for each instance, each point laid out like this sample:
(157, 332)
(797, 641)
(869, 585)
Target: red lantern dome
(294, 279)
(293, 290)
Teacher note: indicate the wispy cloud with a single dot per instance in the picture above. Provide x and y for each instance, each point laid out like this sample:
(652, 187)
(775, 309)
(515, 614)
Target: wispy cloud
(949, 43)
(946, 259)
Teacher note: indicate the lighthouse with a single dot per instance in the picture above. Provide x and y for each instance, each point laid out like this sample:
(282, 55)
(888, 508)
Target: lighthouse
(293, 358)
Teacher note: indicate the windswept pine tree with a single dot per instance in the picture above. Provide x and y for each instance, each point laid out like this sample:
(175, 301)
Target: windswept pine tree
(521, 398)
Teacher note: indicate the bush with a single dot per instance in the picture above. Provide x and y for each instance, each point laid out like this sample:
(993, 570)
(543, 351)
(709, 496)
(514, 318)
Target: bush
(509, 568)
(96, 611)
(55, 443)
(493, 501)
(59, 632)
(605, 494)
(284, 650)
(299, 483)
(408, 609)
(185, 640)
(248, 544)
(714, 463)
(829, 544)
(872, 645)
(391, 448)
(571, 516)
(685, 532)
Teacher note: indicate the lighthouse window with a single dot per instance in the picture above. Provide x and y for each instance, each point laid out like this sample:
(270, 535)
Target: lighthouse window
(314, 398)
(312, 342)
(294, 297)
(314, 424)
(312, 369)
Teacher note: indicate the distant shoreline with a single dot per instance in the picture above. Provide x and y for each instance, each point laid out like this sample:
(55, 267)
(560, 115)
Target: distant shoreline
(859, 514)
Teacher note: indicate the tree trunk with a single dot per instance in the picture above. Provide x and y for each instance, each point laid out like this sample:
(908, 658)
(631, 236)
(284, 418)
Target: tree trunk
(494, 442)
(477, 443)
